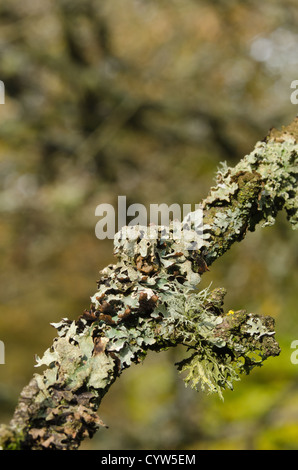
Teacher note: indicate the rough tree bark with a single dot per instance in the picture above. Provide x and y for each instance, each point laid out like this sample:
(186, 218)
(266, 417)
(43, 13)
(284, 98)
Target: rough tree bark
(149, 300)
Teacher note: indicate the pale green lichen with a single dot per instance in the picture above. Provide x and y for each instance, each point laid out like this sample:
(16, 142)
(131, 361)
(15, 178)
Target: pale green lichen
(266, 181)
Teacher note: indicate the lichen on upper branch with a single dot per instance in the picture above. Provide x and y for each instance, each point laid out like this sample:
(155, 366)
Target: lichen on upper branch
(254, 191)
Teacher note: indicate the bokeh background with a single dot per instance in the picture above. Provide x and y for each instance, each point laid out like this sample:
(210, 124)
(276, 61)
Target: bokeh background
(142, 98)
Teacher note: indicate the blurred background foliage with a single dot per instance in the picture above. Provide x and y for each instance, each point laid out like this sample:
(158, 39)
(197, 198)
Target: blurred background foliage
(142, 98)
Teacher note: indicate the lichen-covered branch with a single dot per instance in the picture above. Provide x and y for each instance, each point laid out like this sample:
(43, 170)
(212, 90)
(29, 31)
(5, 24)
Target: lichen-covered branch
(149, 300)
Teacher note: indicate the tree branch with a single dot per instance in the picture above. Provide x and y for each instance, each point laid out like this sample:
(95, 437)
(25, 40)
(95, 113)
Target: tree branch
(149, 300)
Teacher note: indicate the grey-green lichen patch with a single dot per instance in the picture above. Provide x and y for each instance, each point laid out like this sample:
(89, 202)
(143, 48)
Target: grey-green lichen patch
(279, 172)
(128, 343)
(222, 221)
(255, 326)
(149, 264)
(277, 164)
(72, 362)
(260, 185)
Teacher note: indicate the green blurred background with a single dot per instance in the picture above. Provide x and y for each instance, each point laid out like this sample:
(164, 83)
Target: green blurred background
(142, 99)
